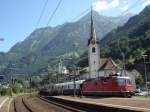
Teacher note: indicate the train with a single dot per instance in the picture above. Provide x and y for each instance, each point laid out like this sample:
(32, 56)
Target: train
(102, 86)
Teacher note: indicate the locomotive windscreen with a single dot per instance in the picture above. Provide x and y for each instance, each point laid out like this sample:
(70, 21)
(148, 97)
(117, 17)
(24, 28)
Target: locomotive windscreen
(121, 81)
(1, 77)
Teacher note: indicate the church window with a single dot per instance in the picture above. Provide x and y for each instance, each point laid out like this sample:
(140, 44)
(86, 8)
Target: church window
(93, 50)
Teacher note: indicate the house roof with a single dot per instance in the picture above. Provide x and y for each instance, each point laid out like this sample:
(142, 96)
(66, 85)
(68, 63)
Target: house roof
(107, 64)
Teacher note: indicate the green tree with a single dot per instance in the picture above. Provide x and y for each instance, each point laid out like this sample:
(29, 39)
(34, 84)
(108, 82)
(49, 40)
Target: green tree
(5, 91)
(137, 54)
(147, 33)
(139, 81)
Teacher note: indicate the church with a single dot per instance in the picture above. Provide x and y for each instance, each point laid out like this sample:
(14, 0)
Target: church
(97, 66)
(100, 67)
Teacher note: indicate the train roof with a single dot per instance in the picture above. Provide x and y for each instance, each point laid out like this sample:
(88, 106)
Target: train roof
(71, 82)
(124, 77)
(108, 77)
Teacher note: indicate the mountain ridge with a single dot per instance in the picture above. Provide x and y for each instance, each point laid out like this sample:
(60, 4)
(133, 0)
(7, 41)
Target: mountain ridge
(46, 44)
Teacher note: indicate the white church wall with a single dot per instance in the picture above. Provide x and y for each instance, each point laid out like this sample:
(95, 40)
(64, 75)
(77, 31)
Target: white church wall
(94, 59)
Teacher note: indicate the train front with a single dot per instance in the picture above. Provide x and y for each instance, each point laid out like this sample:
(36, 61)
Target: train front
(125, 85)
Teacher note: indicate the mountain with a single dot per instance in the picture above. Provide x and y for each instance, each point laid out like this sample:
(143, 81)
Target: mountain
(46, 45)
(134, 34)
(131, 40)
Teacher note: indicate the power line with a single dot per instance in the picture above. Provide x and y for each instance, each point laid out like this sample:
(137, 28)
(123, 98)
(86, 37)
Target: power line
(82, 13)
(131, 7)
(52, 15)
(41, 14)
(127, 10)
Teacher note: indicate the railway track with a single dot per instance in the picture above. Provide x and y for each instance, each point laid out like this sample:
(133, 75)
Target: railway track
(20, 105)
(36, 104)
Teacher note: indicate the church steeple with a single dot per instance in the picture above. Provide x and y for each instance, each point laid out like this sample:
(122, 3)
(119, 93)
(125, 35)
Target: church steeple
(93, 51)
(92, 39)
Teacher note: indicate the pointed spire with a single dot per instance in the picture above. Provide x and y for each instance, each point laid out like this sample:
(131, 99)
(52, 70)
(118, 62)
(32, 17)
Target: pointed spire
(93, 33)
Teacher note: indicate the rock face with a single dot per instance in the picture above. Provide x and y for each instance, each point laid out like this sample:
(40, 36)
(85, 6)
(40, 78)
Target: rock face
(44, 45)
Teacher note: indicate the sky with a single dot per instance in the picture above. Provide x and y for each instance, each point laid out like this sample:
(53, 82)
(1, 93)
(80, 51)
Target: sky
(18, 18)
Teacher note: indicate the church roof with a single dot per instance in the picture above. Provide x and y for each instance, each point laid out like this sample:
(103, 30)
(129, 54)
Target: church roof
(106, 64)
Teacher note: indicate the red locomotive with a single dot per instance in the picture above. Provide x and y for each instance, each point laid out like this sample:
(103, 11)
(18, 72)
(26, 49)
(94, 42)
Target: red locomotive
(112, 85)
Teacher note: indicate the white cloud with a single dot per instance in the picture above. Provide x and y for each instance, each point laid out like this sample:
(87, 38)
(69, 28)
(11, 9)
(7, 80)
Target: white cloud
(105, 5)
(114, 3)
(124, 8)
(146, 3)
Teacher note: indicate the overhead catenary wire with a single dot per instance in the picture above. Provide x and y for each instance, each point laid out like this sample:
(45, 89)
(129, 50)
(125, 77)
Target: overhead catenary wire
(128, 9)
(131, 7)
(81, 14)
(52, 15)
(41, 14)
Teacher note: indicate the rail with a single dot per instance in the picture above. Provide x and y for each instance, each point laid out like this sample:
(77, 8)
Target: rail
(24, 104)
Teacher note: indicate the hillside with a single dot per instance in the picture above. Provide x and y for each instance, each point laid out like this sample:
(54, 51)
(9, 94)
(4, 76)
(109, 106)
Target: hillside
(45, 46)
(135, 34)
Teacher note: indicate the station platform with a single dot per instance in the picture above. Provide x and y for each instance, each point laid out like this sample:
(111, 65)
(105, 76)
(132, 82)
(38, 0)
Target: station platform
(2, 101)
(138, 104)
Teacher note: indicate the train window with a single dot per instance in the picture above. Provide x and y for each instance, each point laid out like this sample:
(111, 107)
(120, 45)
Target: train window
(121, 82)
(129, 81)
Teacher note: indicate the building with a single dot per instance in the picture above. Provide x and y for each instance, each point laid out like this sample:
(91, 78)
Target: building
(100, 67)
(107, 67)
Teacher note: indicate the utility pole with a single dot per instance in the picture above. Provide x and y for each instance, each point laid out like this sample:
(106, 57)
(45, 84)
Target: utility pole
(11, 85)
(75, 73)
(123, 58)
(56, 71)
(145, 71)
(30, 83)
(11, 79)
(124, 61)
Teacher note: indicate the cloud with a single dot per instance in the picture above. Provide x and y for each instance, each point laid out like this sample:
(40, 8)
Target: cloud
(146, 3)
(105, 5)
(124, 8)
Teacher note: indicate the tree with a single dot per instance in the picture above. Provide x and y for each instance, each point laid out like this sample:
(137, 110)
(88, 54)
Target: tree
(139, 81)
(147, 33)
(137, 54)
(5, 91)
